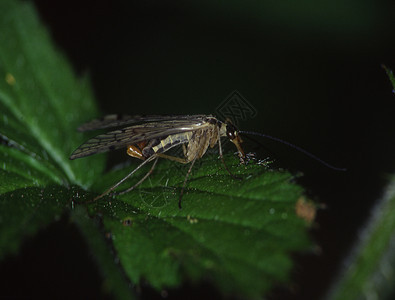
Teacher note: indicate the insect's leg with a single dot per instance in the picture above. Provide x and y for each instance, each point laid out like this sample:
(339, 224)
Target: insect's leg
(185, 181)
(223, 160)
(140, 181)
(184, 150)
(126, 177)
(173, 158)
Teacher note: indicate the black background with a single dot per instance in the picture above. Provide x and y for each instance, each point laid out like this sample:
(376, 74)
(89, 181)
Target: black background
(312, 72)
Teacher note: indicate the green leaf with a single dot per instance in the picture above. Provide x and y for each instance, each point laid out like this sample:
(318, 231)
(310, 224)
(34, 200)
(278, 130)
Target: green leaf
(25, 210)
(42, 104)
(114, 280)
(42, 101)
(230, 231)
(237, 234)
(368, 270)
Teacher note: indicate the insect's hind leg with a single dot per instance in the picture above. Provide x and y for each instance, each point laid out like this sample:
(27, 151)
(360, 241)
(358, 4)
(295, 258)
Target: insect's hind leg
(140, 181)
(174, 158)
(126, 177)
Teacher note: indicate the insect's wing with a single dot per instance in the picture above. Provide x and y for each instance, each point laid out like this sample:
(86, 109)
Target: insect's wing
(133, 134)
(111, 121)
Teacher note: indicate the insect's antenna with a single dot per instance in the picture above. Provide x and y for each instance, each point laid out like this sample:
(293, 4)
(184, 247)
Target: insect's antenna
(295, 147)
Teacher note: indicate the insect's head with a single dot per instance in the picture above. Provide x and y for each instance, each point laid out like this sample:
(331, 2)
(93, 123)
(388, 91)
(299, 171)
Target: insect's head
(233, 134)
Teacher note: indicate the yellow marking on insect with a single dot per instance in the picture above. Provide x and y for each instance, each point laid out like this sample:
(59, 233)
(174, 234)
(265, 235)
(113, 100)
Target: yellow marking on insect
(165, 142)
(172, 140)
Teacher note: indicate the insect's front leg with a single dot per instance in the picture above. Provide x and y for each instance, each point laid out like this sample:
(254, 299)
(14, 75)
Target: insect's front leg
(249, 156)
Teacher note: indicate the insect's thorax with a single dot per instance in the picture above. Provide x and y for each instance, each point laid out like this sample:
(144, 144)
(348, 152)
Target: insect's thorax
(200, 141)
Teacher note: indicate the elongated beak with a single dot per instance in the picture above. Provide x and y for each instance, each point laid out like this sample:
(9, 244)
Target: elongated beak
(237, 141)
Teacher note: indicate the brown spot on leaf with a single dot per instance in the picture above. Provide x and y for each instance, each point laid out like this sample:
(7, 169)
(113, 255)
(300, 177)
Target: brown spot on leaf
(305, 209)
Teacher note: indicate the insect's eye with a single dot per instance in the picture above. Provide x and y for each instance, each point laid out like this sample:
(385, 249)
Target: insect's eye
(231, 131)
(231, 134)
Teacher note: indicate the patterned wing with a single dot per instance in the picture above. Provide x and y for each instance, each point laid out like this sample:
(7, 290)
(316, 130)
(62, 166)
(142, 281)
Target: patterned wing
(133, 134)
(115, 120)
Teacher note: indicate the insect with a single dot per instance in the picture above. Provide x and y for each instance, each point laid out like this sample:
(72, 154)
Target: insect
(150, 137)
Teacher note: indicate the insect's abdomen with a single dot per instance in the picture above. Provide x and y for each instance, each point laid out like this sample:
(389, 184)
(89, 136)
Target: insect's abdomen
(167, 143)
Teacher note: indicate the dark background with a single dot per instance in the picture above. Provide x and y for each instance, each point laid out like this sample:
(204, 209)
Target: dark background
(312, 72)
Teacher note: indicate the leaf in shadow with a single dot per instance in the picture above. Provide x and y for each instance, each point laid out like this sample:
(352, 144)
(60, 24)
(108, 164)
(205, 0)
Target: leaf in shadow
(236, 233)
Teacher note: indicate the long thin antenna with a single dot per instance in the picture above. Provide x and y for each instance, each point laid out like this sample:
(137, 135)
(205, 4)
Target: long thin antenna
(295, 147)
